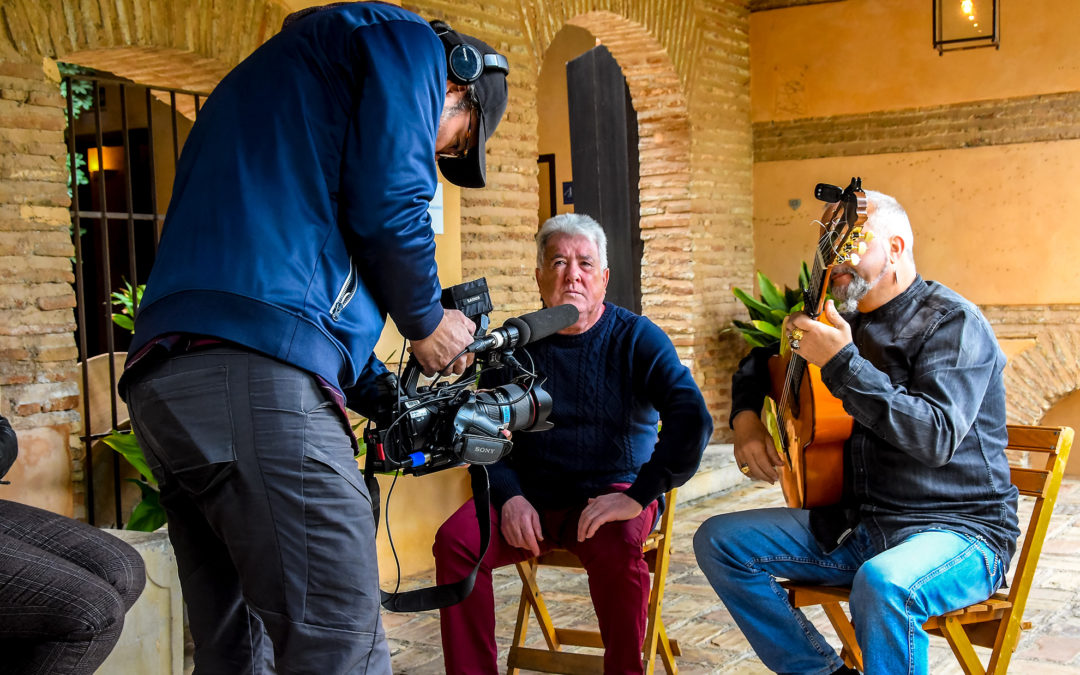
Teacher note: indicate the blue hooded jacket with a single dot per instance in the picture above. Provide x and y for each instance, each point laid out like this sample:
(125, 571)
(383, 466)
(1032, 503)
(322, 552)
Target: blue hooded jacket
(299, 218)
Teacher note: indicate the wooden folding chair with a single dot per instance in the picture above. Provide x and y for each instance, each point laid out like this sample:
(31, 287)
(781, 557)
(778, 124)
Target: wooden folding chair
(1040, 454)
(553, 659)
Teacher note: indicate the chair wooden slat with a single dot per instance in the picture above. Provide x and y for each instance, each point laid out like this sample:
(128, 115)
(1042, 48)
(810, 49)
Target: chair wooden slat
(996, 622)
(1033, 438)
(1031, 482)
(553, 660)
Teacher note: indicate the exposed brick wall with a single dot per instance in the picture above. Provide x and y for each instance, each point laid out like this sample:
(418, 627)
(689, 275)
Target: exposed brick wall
(224, 31)
(762, 5)
(686, 63)
(1048, 370)
(1026, 321)
(1028, 119)
(687, 67)
(160, 67)
(37, 348)
(1043, 374)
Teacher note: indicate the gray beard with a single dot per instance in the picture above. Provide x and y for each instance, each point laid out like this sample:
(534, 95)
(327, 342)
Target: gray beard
(847, 298)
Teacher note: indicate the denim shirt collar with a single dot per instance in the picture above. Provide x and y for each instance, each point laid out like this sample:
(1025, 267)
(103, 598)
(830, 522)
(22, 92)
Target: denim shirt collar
(913, 293)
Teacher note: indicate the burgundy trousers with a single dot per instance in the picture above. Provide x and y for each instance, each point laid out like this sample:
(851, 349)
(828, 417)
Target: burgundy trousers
(618, 583)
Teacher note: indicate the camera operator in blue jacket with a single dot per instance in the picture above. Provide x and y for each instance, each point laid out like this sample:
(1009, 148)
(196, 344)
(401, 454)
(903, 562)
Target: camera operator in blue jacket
(298, 221)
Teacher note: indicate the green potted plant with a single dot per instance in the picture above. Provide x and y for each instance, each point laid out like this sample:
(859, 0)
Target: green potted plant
(148, 515)
(768, 312)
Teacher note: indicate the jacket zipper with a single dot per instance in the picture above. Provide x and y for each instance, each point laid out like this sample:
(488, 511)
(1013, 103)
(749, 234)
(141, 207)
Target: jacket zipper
(345, 295)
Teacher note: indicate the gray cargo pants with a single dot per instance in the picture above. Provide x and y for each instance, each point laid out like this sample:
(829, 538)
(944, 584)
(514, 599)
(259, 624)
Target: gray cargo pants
(268, 513)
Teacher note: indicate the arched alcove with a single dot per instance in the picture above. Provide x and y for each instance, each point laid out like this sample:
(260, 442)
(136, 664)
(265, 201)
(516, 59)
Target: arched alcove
(667, 225)
(1042, 383)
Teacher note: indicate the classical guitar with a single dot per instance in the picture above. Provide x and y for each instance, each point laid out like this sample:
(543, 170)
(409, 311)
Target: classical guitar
(807, 423)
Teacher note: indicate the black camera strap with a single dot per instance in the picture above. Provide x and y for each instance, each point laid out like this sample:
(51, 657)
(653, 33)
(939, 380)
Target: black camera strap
(442, 595)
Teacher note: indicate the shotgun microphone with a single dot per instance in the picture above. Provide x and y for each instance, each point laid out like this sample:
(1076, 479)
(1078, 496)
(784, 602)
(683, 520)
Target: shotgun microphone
(518, 331)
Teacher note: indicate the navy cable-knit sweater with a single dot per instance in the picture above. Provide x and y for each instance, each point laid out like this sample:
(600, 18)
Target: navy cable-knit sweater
(609, 387)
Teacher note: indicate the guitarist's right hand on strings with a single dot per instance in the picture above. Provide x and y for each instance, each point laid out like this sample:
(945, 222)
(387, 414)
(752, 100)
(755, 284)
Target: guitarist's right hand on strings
(820, 341)
(754, 448)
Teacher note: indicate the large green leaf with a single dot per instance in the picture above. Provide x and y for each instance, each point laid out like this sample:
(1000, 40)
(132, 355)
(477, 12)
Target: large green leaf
(757, 309)
(792, 296)
(756, 341)
(767, 314)
(767, 328)
(770, 293)
(804, 276)
(128, 446)
(124, 321)
(148, 515)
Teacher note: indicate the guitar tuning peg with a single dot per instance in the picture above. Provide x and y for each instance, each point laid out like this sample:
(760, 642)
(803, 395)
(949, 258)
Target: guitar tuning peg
(868, 237)
(862, 248)
(855, 259)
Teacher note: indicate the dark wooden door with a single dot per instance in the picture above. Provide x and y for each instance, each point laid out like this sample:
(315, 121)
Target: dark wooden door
(604, 156)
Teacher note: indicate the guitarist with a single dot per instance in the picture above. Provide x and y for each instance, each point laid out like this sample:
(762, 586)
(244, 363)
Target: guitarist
(927, 522)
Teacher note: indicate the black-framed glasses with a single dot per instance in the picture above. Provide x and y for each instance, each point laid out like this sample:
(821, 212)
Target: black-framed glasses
(461, 153)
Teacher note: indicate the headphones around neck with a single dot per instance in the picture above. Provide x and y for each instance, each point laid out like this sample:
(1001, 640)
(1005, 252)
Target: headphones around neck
(464, 62)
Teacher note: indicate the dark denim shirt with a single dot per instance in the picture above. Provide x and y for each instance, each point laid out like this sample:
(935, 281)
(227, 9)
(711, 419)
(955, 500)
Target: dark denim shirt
(923, 382)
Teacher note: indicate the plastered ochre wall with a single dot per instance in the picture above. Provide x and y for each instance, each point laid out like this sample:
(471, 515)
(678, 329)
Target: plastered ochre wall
(865, 55)
(996, 223)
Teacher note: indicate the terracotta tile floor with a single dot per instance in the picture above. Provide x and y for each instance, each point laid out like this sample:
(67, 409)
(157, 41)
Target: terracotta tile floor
(713, 644)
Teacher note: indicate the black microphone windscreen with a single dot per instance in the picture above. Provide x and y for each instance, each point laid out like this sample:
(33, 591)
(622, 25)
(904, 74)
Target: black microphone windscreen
(549, 321)
(523, 329)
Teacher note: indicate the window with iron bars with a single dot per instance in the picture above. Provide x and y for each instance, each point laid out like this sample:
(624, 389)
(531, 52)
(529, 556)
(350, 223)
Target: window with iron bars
(124, 140)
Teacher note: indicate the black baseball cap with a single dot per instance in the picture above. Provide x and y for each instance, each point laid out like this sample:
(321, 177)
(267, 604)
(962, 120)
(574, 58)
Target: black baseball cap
(491, 93)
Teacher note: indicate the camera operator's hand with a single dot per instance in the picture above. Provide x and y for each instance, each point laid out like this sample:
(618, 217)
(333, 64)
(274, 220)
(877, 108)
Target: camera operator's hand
(605, 509)
(453, 334)
(520, 524)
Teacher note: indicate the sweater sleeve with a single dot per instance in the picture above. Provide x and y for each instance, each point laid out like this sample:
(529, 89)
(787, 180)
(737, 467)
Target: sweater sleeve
(388, 170)
(686, 424)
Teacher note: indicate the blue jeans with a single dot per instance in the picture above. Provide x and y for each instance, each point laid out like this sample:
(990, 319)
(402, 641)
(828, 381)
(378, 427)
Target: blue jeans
(893, 592)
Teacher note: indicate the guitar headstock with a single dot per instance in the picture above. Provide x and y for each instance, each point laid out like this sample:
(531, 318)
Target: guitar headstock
(843, 238)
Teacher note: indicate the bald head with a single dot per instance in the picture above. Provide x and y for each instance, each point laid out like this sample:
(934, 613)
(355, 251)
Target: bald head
(888, 266)
(886, 219)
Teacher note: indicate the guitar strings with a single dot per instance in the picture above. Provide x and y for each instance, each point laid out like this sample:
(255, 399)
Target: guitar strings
(825, 244)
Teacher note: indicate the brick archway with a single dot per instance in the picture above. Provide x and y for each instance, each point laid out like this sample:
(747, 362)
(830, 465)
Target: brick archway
(158, 67)
(182, 43)
(57, 28)
(1041, 375)
(667, 265)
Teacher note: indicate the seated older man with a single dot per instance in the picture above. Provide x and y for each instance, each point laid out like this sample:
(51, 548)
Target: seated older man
(592, 482)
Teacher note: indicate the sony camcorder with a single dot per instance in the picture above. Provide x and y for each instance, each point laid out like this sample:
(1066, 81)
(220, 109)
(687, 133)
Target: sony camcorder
(419, 429)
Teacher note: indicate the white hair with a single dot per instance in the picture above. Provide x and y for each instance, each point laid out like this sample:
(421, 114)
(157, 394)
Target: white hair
(575, 225)
(889, 219)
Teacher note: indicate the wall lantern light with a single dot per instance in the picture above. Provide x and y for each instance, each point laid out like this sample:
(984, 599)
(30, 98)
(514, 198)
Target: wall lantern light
(114, 158)
(966, 24)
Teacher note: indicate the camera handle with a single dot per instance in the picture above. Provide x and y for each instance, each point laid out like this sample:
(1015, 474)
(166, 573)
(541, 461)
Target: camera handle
(442, 595)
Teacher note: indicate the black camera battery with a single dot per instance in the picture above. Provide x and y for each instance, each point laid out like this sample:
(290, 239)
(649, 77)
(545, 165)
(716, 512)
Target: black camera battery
(472, 299)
